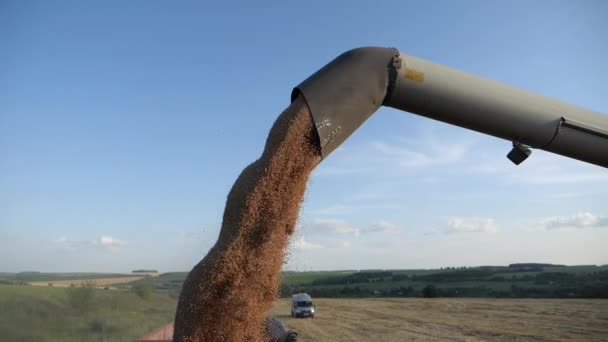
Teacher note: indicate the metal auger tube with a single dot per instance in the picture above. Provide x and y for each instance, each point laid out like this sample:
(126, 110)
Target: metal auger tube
(348, 90)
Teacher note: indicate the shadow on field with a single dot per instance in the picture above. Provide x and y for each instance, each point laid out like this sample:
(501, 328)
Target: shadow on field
(282, 316)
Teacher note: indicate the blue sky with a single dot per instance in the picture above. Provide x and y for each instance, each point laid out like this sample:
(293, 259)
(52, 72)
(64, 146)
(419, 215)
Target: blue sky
(124, 124)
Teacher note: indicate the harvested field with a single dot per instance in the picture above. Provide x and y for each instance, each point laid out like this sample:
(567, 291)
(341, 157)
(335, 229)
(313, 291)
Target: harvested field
(451, 320)
(76, 282)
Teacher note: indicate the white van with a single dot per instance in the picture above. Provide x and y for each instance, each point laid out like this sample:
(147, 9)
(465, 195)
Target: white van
(302, 306)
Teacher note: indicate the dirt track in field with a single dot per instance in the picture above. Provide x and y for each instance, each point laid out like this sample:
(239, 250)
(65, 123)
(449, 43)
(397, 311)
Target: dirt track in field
(451, 320)
(76, 282)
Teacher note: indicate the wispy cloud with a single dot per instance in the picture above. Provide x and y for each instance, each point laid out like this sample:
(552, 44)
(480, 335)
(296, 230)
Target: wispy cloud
(337, 209)
(471, 225)
(60, 240)
(303, 245)
(544, 178)
(542, 168)
(105, 241)
(108, 241)
(570, 195)
(343, 209)
(333, 226)
(578, 221)
(64, 241)
(190, 234)
(366, 197)
(434, 154)
(342, 170)
(382, 226)
(392, 156)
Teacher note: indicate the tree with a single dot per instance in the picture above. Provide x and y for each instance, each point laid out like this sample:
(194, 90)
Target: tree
(144, 290)
(429, 291)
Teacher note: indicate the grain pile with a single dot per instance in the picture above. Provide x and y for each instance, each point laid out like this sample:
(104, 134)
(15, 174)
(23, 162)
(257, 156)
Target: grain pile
(228, 295)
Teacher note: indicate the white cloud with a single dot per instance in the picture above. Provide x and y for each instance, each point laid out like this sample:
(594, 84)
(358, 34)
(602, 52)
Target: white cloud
(67, 242)
(333, 226)
(103, 241)
(382, 226)
(472, 225)
(329, 227)
(579, 221)
(108, 241)
(303, 245)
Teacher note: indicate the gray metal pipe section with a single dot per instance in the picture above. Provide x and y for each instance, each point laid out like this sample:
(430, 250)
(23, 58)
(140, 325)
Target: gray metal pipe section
(445, 94)
(348, 90)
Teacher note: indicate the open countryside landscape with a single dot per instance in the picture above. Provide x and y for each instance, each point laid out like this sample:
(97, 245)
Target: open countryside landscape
(535, 302)
(35, 313)
(396, 171)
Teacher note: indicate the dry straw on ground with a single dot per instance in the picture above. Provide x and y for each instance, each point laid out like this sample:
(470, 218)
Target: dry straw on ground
(450, 319)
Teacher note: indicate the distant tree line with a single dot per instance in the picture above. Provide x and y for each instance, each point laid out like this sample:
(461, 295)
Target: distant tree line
(348, 291)
(358, 277)
(513, 281)
(485, 283)
(448, 275)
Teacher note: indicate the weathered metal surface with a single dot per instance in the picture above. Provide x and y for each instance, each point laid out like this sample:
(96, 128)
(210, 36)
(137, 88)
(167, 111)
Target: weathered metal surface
(445, 94)
(348, 90)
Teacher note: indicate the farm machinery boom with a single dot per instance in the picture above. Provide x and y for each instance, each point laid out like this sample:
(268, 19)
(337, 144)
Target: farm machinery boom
(348, 90)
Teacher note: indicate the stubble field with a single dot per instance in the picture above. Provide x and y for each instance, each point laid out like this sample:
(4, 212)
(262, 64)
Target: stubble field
(451, 320)
(99, 282)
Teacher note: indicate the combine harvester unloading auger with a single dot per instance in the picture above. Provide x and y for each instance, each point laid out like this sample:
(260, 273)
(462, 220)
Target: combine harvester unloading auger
(348, 90)
(228, 295)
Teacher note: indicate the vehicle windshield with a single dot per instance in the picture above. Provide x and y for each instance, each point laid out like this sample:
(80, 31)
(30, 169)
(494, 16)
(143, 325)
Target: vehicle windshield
(304, 304)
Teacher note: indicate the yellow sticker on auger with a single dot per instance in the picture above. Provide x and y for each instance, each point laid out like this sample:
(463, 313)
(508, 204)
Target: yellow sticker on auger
(414, 75)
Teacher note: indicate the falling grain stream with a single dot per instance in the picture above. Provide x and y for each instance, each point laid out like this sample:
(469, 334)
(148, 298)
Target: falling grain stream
(228, 295)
